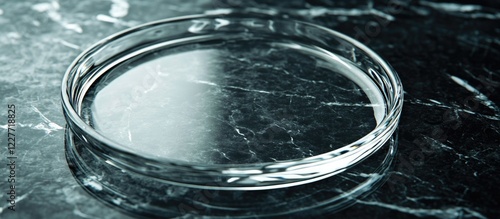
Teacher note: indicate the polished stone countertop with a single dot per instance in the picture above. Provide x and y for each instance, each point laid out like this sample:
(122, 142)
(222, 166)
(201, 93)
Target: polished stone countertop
(445, 53)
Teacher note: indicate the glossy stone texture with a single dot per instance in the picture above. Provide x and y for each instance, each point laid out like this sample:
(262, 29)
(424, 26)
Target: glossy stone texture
(445, 53)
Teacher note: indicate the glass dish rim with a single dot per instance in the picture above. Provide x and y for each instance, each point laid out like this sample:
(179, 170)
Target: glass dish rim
(264, 174)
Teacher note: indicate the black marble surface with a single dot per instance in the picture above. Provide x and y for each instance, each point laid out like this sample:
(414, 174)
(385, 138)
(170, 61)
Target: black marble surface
(445, 53)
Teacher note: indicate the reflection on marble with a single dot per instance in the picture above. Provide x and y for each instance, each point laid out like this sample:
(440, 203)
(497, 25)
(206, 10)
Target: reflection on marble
(446, 54)
(139, 195)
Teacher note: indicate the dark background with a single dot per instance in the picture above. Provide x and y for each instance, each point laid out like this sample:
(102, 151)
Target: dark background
(447, 55)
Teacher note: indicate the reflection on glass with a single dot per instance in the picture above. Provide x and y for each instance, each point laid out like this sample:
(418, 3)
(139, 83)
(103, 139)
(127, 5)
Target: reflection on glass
(235, 102)
(154, 104)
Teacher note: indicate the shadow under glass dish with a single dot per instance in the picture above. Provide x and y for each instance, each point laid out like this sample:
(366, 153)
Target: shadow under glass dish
(231, 102)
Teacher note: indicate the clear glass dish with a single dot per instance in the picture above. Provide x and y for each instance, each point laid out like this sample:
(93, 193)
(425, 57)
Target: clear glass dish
(231, 102)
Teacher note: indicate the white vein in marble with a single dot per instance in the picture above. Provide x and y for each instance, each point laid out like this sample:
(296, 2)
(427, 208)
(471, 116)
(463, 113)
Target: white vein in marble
(119, 8)
(464, 10)
(320, 11)
(52, 11)
(443, 213)
(478, 95)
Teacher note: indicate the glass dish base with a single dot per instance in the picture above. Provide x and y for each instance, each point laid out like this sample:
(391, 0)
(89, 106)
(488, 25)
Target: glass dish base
(145, 196)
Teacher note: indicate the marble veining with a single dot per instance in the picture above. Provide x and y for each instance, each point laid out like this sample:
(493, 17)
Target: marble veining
(446, 54)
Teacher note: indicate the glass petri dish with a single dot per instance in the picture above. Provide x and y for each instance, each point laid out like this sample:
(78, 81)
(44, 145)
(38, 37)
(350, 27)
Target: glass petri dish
(231, 101)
